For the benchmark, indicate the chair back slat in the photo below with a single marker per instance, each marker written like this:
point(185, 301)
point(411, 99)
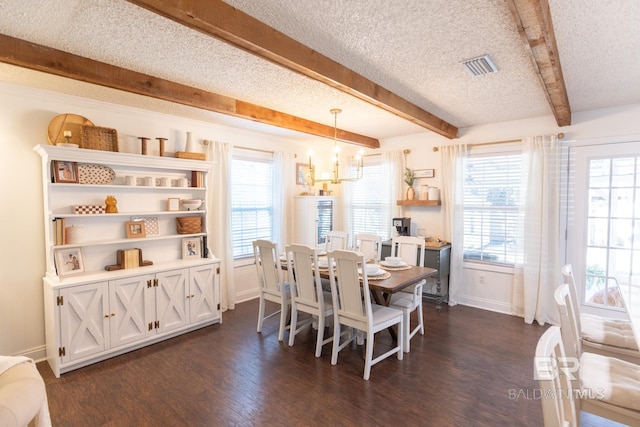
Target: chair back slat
point(268, 266)
point(370, 245)
point(559, 407)
point(353, 300)
point(302, 261)
point(336, 240)
point(409, 248)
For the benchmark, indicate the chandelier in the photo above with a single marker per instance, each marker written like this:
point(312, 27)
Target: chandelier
point(335, 178)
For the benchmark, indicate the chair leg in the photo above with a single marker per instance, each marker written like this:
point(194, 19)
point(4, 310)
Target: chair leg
point(420, 318)
point(368, 355)
point(283, 322)
point(406, 330)
point(260, 314)
point(336, 342)
point(320, 338)
point(292, 328)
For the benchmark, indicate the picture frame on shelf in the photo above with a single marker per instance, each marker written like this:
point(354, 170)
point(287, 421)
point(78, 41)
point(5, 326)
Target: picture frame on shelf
point(69, 261)
point(135, 229)
point(424, 173)
point(65, 172)
point(302, 173)
point(173, 204)
point(191, 247)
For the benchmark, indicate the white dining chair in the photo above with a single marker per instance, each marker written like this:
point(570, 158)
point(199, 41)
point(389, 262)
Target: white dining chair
point(307, 295)
point(353, 308)
point(556, 392)
point(273, 287)
point(409, 300)
point(368, 244)
point(607, 386)
point(602, 335)
point(336, 240)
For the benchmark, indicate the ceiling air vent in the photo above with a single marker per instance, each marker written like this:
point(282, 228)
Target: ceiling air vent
point(480, 66)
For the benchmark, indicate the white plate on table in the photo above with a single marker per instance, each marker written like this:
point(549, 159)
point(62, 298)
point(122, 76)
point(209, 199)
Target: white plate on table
point(393, 264)
point(379, 272)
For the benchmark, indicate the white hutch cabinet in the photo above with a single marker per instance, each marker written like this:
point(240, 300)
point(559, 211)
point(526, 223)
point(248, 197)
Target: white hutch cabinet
point(315, 216)
point(92, 314)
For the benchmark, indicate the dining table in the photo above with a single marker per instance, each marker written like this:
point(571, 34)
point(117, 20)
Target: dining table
point(397, 279)
point(631, 297)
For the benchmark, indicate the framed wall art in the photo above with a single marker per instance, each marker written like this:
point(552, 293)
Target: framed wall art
point(173, 204)
point(191, 248)
point(65, 172)
point(302, 173)
point(424, 173)
point(69, 261)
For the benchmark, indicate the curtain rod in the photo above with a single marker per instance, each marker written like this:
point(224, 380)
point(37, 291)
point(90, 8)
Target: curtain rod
point(253, 149)
point(560, 136)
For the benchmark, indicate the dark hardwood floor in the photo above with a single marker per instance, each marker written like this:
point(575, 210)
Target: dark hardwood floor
point(472, 367)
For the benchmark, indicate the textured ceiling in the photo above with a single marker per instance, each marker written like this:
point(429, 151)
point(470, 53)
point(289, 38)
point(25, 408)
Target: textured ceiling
point(413, 48)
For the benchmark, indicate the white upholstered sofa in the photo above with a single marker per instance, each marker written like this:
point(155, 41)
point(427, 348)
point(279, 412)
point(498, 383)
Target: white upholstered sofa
point(23, 397)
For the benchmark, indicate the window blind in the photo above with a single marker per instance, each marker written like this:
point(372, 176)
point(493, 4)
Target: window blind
point(370, 200)
point(251, 200)
point(491, 199)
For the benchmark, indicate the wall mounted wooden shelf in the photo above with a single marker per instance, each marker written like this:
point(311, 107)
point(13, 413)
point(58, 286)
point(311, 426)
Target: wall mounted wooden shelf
point(418, 202)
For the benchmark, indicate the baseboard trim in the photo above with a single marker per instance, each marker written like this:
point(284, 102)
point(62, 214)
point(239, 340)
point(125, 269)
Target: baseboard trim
point(485, 304)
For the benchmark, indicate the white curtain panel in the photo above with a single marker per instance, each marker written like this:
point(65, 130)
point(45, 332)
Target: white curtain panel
point(284, 172)
point(393, 161)
point(219, 212)
point(538, 275)
point(452, 166)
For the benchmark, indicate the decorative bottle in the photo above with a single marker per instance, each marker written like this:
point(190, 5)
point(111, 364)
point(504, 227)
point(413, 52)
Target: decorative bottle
point(190, 146)
point(111, 202)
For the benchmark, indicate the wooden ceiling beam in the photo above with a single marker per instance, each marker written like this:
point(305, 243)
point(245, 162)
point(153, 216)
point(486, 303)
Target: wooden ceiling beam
point(41, 58)
point(533, 20)
point(222, 21)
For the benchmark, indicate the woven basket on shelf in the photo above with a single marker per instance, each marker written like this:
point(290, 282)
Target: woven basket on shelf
point(99, 138)
point(189, 224)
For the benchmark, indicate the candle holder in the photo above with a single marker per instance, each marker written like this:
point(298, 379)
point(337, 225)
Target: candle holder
point(67, 136)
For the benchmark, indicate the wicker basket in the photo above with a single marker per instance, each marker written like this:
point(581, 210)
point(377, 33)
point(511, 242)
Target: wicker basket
point(189, 224)
point(99, 138)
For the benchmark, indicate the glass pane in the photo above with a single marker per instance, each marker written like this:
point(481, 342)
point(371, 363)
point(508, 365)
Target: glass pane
point(619, 262)
point(599, 173)
point(597, 231)
point(599, 202)
point(621, 233)
point(622, 202)
point(623, 170)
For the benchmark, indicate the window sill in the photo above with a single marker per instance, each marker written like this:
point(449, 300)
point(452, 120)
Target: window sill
point(504, 269)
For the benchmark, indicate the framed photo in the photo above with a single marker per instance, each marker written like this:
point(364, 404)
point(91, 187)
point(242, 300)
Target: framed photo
point(64, 171)
point(191, 248)
point(135, 229)
point(302, 173)
point(69, 261)
point(173, 204)
point(424, 173)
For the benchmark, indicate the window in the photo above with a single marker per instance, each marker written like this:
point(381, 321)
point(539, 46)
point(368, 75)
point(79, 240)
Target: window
point(370, 199)
point(491, 199)
point(251, 200)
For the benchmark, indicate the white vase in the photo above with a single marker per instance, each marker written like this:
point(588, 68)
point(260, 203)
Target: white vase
point(190, 146)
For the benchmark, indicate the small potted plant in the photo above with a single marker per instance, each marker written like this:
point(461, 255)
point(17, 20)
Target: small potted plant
point(409, 178)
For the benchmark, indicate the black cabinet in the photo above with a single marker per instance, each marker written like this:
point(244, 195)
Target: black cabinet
point(438, 258)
